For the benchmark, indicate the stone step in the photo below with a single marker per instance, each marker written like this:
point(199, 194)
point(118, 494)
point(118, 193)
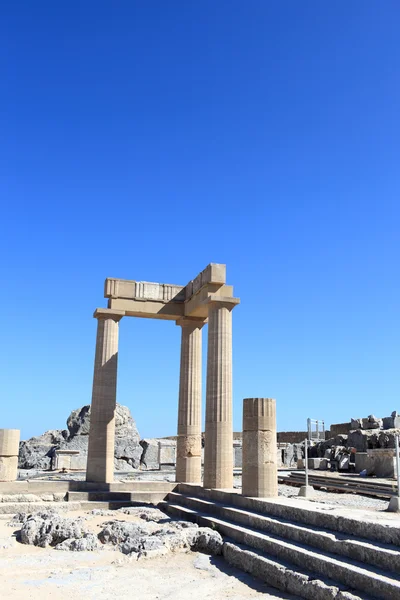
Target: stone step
point(383, 556)
point(318, 515)
point(39, 486)
point(325, 565)
point(142, 497)
point(281, 575)
point(9, 508)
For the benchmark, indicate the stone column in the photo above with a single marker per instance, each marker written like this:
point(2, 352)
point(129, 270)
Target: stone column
point(188, 450)
point(100, 463)
point(218, 451)
point(259, 469)
point(9, 450)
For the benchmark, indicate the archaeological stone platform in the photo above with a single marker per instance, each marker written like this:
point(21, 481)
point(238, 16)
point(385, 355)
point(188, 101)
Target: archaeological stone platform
point(207, 298)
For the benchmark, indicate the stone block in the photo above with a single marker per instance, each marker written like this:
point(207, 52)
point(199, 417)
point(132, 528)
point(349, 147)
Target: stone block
point(237, 456)
point(166, 453)
point(313, 463)
point(382, 462)
point(339, 428)
point(300, 463)
point(9, 449)
point(391, 422)
point(362, 462)
point(324, 464)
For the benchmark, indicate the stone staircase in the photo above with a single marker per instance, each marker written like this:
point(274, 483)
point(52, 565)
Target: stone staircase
point(34, 495)
point(116, 499)
point(306, 549)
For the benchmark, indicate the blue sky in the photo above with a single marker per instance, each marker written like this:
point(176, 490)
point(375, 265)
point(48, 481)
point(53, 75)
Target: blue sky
point(143, 140)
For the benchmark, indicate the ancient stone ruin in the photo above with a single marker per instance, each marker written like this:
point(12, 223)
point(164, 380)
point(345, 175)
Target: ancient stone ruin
point(40, 452)
point(207, 297)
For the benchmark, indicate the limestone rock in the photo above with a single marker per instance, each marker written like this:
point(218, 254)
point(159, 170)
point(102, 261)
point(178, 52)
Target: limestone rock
point(157, 536)
point(48, 528)
point(78, 423)
point(37, 452)
point(146, 513)
point(358, 439)
point(88, 542)
point(128, 449)
point(355, 424)
point(149, 458)
point(117, 532)
point(207, 540)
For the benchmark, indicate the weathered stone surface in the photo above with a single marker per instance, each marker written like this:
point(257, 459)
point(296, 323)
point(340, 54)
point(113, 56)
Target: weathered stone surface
point(48, 528)
point(153, 457)
point(159, 534)
point(78, 422)
point(392, 422)
point(117, 532)
point(371, 439)
point(127, 449)
point(88, 542)
point(37, 452)
point(149, 458)
point(206, 540)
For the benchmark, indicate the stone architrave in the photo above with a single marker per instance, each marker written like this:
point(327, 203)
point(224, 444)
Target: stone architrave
point(259, 471)
point(188, 455)
point(100, 463)
point(218, 452)
point(9, 449)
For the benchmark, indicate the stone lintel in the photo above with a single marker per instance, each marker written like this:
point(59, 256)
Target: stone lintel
point(191, 322)
point(148, 309)
point(107, 313)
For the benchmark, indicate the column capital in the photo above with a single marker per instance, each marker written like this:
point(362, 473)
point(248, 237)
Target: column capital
point(194, 322)
point(223, 301)
point(108, 313)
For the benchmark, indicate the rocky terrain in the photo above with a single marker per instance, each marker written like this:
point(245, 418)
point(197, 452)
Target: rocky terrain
point(28, 571)
point(37, 452)
point(149, 532)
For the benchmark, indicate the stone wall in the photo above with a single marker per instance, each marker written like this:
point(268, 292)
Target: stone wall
point(339, 428)
point(291, 437)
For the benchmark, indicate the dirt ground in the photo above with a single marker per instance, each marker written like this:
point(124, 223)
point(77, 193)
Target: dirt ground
point(31, 573)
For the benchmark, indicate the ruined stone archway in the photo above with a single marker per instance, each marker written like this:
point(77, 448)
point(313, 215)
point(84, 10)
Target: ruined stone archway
point(207, 297)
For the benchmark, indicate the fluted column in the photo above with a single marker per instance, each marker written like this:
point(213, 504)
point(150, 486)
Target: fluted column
point(218, 451)
point(188, 454)
point(259, 463)
point(100, 463)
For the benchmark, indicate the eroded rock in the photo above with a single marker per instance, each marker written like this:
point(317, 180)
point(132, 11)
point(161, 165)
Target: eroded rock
point(48, 528)
point(88, 542)
point(39, 452)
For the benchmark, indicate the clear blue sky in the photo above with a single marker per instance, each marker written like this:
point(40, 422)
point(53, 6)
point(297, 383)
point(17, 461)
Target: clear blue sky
point(143, 140)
